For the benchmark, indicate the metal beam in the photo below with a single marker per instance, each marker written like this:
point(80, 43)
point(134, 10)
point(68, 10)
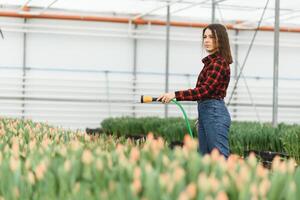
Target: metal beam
point(167, 56)
point(24, 72)
point(189, 6)
point(249, 22)
point(49, 5)
point(213, 11)
point(1, 33)
point(236, 54)
point(155, 9)
point(135, 43)
point(276, 61)
point(26, 3)
point(236, 50)
point(250, 8)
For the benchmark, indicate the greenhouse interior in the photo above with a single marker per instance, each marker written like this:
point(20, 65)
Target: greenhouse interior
point(149, 99)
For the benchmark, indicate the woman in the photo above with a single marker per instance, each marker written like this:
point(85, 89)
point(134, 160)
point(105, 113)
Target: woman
point(213, 117)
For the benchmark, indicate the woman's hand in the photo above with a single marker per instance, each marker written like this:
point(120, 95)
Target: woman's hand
point(166, 98)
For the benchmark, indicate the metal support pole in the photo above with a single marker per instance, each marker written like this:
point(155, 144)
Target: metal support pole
point(213, 11)
point(188, 77)
point(167, 56)
point(236, 67)
point(236, 54)
point(276, 61)
point(24, 71)
point(107, 92)
point(134, 70)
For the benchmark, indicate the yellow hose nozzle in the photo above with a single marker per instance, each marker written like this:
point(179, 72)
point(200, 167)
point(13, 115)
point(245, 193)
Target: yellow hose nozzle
point(147, 99)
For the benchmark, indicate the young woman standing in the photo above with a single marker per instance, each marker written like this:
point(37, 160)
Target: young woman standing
point(213, 117)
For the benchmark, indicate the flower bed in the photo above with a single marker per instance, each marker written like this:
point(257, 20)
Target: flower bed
point(41, 162)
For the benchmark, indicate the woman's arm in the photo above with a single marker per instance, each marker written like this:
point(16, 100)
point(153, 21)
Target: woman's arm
point(166, 98)
point(215, 74)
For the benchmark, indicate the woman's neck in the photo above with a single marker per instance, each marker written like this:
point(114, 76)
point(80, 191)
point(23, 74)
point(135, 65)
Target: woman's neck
point(212, 52)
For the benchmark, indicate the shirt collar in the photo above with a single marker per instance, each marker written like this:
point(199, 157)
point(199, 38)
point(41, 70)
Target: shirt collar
point(210, 57)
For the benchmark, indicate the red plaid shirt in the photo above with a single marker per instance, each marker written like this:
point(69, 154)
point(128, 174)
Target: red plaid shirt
point(212, 81)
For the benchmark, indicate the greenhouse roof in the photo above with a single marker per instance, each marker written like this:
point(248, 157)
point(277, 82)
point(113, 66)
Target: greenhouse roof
point(248, 11)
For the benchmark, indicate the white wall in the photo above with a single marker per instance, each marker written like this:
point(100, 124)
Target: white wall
point(105, 53)
point(11, 48)
point(49, 50)
point(99, 53)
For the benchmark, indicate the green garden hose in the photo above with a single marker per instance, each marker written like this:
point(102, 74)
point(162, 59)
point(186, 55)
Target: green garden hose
point(185, 117)
point(147, 99)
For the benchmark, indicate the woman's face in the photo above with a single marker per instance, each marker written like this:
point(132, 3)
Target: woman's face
point(209, 41)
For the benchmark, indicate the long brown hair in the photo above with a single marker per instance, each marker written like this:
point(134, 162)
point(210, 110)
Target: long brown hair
point(222, 41)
